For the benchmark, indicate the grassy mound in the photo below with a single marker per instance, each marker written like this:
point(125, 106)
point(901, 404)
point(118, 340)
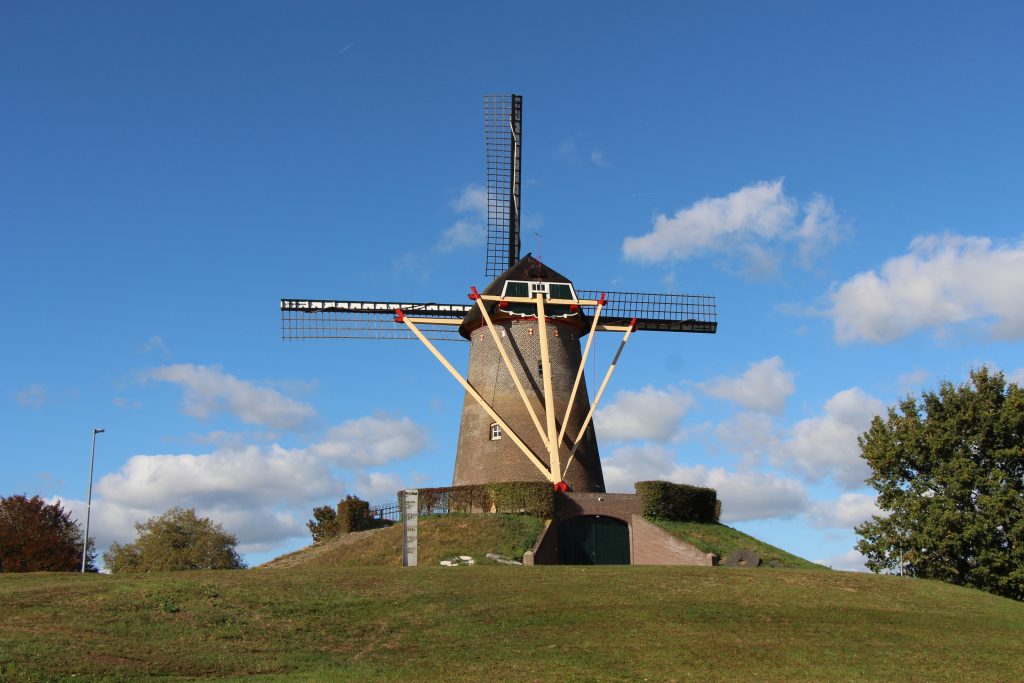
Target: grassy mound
point(722, 540)
point(440, 537)
point(503, 623)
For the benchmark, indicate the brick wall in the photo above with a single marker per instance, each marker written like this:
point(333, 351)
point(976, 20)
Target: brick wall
point(654, 545)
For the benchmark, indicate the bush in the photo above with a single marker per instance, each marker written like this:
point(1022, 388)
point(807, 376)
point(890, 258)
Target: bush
point(176, 540)
point(324, 524)
point(536, 498)
point(353, 515)
point(678, 502)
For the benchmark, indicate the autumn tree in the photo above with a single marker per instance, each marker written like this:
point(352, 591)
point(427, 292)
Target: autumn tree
point(36, 536)
point(176, 540)
point(949, 471)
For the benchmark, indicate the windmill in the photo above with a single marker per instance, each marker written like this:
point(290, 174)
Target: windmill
point(526, 414)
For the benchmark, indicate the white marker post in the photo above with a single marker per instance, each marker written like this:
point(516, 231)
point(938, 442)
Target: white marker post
point(410, 526)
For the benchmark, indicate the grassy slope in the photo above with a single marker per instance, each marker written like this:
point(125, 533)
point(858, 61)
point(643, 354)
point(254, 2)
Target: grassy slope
point(440, 537)
point(722, 540)
point(504, 623)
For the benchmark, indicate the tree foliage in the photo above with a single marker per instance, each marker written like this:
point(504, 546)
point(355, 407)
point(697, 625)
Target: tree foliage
point(324, 524)
point(40, 537)
point(176, 540)
point(949, 471)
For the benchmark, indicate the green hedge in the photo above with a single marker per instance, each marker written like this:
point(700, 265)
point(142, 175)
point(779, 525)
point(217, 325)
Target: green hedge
point(678, 502)
point(353, 515)
point(535, 498)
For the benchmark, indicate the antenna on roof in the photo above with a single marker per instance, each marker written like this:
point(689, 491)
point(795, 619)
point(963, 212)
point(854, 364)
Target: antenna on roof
point(503, 131)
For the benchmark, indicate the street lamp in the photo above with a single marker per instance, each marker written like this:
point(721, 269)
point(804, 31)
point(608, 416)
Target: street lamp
point(88, 504)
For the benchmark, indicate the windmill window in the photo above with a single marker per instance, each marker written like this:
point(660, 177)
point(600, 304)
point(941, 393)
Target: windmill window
point(538, 287)
point(495, 431)
point(513, 288)
point(561, 291)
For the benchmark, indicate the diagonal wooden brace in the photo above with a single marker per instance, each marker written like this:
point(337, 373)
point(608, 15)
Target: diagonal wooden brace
point(508, 365)
point(549, 474)
point(600, 392)
point(579, 373)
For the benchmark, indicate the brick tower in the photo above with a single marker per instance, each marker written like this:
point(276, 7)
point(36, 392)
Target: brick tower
point(485, 454)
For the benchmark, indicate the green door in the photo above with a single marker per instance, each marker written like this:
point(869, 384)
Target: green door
point(592, 539)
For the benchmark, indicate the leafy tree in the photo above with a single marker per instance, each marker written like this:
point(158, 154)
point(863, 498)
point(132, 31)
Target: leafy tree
point(324, 524)
point(949, 470)
point(176, 540)
point(40, 537)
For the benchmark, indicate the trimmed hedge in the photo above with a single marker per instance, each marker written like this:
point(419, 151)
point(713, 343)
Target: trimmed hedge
point(353, 515)
point(535, 498)
point(678, 502)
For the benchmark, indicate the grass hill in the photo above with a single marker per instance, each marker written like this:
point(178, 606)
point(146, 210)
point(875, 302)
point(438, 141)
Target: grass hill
point(442, 536)
point(504, 623)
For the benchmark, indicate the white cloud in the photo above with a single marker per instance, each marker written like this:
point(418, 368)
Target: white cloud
point(649, 414)
point(850, 561)
point(470, 230)
point(913, 379)
point(745, 495)
point(826, 446)
point(597, 159)
point(371, 440)
point(156, 343)
point(1016, 377)
point(763, 387)
point(462, 233)
point(849, 510)
point(472, 200)
point(943, 280)
point(749, 435)
point(752, 222)
point(35, 396)
point(210, 391)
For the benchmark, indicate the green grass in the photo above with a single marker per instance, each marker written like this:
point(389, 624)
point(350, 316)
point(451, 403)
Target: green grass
point(722, 540)
point(440, 537)
point(504, 623)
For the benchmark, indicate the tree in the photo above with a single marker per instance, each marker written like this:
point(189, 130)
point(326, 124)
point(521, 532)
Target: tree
point(324, 524)
point(178, 539)
point(949, 470)
point(40, 537)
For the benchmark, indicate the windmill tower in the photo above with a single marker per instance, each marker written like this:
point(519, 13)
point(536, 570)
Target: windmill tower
point(526, 414)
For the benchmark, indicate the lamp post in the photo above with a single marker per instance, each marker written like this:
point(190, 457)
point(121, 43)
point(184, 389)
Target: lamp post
point(88, 504)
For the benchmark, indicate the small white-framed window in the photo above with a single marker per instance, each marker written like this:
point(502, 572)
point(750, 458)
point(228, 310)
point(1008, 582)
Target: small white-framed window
point(495, 431)
point(538, 288)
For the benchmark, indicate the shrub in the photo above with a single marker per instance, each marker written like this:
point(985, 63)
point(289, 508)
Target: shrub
point(678, 502)
point(324, 524)
point(535, 498)
point(178, 539)
point(353, 515)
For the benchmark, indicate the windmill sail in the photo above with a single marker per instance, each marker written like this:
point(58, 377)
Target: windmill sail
point(658, 312)
point(503, 130)
point(330, 319)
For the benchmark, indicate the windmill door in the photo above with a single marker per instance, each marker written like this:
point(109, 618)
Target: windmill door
point(593, 539)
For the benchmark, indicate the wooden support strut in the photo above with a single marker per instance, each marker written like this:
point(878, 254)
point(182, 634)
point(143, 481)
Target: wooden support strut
point(549, 398)
point(549, 474)
point(475, 296)
point(579, 373)
point(600, 392)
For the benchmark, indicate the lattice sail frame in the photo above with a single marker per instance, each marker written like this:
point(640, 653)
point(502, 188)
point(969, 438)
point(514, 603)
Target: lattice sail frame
point(503, 132)
point(658, 312)
point(328, 319)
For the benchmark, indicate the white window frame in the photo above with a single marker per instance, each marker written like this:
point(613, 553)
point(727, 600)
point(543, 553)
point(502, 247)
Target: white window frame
point(533, 287)
point(496, 432)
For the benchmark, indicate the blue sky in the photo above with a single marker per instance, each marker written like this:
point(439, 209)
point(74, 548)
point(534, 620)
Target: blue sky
point(846, 180)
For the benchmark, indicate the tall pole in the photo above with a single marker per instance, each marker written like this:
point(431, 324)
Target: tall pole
point(88, 504)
